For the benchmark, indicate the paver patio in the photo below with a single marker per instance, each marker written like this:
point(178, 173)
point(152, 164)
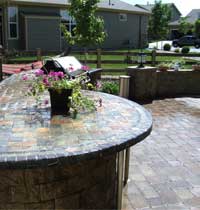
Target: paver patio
point(165, 167)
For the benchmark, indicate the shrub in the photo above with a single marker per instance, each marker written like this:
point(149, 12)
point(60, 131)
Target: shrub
point(177, 50)
point(167, 47)
point(110, 87)
point(185, 50)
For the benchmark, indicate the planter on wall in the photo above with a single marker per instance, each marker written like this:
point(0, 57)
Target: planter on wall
point(196, 67)
point(163, 68)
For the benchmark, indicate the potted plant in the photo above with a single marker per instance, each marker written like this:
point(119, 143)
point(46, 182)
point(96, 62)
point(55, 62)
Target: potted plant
point(64, 93)
point(196, 67)
point(177, 64)
point(163, 66)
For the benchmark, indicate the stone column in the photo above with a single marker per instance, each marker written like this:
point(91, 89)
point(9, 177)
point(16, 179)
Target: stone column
point(142, 83)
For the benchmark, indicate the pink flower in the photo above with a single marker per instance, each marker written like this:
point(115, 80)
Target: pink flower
point(39, 72)
point(56, 75)
point(85, 68)
point(25, 77)
point(52, 74)
point(60, 74)
point(71, 68)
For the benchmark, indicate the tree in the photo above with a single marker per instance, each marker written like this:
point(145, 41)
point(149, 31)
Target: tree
point(197, 28)
point(185, 27)
point(158, 22)
point(89, 30)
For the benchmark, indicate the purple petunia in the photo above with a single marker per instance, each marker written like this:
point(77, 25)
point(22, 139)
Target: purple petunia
point(39, 72)
point(56, 75)
point(46, 81)
point(60, 74)
point(85, 68)
point(24, 77)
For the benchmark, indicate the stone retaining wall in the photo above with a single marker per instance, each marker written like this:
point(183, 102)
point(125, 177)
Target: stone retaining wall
point(88, 185)
point(148, 83)
point(177, 83)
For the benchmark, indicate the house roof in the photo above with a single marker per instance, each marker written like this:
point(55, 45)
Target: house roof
point(149, 7)
point(50, 2)
point(174, 23)
point(121, 6)
point(116, 5)
point(193, 16)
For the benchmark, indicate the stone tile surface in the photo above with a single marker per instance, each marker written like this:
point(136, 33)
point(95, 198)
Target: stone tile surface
point(31, 137)
point(165, 167)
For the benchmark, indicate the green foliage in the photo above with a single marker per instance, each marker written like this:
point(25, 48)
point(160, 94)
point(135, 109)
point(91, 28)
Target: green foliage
point(158, 22)
point(167, 47)
point(197, 28)
point(89, 28)
point(185, 27)
point(185, 50)
point(164, 65)
point(178, 63)
point(110, 87)
point(177, 50)
point(79, 101)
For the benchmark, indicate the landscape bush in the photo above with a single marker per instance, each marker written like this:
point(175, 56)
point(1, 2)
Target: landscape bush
point(177, 50)
point(167, 47)
point(185, 50)
point(110, 87)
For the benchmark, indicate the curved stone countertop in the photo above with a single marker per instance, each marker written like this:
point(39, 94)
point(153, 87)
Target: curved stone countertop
point(30, 137)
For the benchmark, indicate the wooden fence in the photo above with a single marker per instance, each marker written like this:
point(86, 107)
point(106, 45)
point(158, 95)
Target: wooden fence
point(130, 58)
point(100, 57)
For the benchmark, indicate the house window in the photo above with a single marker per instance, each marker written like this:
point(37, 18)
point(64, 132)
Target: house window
point(68, 21)
point(122, 17)
point(13, 22)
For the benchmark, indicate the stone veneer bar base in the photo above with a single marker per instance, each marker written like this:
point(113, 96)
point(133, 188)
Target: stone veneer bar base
point(88, 185)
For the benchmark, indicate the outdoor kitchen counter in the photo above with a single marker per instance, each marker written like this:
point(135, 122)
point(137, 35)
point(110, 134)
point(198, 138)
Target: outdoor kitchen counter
point(60, 162)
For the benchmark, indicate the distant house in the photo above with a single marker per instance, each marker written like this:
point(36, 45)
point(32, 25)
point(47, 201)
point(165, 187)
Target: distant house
point(175, 16)
point(175, 13)
point(191, 17)
point(31, 24)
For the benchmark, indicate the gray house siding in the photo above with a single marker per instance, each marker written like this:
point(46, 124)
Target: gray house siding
point(39, 27)
point(122, 32)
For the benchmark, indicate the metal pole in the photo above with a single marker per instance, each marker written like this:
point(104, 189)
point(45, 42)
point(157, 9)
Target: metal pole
point(126, 167)
point(120, 169)
point(1, 68)
point(124, 92)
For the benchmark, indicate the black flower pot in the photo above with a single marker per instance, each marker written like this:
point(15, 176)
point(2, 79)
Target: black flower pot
point(60, 102)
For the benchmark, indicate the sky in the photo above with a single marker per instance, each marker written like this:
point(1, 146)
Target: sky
point(184, 6)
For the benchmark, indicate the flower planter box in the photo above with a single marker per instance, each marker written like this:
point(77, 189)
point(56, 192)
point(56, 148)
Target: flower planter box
point(196, 67)
point(163, 68)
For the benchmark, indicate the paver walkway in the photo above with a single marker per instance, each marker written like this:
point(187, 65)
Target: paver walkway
point(165, 167)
